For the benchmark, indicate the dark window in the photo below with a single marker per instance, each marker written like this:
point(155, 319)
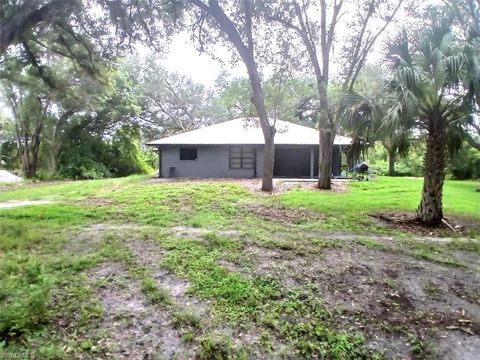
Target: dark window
point(188, 154)
point(242, 158)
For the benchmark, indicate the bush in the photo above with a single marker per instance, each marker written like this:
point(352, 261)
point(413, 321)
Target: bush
point(24, 300)
point(465, 164)
point(90, 156)
point(126, 156)
point(84, 169)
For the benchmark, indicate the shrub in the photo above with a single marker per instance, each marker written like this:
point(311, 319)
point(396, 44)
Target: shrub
point(465, 164)
point(24, 300)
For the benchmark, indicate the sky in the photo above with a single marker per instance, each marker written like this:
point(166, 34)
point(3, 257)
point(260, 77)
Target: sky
point(184, 58)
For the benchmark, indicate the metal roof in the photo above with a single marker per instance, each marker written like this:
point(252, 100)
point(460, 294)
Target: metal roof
point(247, 131)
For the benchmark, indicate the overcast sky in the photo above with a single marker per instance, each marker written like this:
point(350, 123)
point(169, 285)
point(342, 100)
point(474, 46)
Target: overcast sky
point(182, 56)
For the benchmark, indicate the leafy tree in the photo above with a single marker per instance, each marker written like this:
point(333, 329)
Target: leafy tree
point(235, 23)
point(126, 154)
point(427, 85)
point(466, 163)
point(362, 115)
point(170, 102)
point(317, 34)
point(30, 107)
point(282, 99)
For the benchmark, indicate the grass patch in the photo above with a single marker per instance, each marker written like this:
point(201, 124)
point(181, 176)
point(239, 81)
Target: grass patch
point(348, 211)
point(47, 303)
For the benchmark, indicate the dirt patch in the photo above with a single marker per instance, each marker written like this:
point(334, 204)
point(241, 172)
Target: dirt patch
point(90, 238)
point(408, 221)
point(149, 254)
point(98, 202)
point(283, 215)
point(18, 203)
point(255, 185)
point(135, 329)
point(404, 306)
point(194, 233)
point(280, 186)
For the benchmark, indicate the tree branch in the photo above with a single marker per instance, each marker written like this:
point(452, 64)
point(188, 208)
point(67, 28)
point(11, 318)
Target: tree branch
point(27, 17)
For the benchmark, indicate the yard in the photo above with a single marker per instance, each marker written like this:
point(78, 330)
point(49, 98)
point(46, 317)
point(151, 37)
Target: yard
point(139, 268)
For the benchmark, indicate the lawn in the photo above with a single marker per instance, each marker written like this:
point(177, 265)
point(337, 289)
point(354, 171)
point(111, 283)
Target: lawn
point(140, 268)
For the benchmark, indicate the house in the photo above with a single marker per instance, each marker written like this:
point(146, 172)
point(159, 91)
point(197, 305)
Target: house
point(234, 149)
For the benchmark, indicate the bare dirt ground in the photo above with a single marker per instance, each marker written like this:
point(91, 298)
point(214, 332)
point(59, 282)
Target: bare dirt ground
point(283, 215)
point(390, 296)
point(134, 328)
point(405, 306)
point(17, 203)
point(254, 185)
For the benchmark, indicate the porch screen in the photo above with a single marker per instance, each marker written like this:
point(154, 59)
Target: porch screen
point(242, 157)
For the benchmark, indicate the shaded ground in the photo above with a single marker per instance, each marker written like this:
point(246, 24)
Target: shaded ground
point(408, 221)
point(406, 307)
point(282, 215)
point(133, 328)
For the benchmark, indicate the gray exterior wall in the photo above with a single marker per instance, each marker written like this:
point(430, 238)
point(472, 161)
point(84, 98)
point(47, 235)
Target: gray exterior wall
point(212, 162)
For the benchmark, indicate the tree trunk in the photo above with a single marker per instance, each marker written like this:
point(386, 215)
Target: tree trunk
point(268, 130)
point(326, 137)
point(430, 209)
point(325, 159)
point(268, 161)
point(391, 163)
point(246, 52)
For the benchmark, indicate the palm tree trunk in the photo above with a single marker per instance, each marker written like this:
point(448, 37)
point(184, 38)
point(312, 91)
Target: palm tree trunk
point(430, 209)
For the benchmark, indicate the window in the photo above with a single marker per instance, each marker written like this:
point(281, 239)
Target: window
point(242, 158)
point(188, 154)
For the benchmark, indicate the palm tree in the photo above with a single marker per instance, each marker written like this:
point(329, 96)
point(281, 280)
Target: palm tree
point(362, 116)
point(428, 93)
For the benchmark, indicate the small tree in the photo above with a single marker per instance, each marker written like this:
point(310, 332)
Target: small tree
point(427, 87)
point(362, 116)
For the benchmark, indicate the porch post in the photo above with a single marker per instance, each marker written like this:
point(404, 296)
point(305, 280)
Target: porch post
point(312, 162)
point(159, 162)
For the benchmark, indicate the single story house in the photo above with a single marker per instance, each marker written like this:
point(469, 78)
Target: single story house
point(234, 149)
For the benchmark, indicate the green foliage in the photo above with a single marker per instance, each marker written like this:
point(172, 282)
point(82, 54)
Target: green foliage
point(459, 198)
point(40, 283)
point(126, 155)
point(283, 96)
point(24, 297)
point(87, 156)
point(466, 164)
point(411, 165)
point(220, 348)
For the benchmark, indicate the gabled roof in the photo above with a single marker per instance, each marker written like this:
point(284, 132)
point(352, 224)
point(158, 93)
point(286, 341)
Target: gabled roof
point(247, 131)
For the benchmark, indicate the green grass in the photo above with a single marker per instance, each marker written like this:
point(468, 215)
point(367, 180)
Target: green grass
point(65, 190)
point(348, 210)
point(47, 303)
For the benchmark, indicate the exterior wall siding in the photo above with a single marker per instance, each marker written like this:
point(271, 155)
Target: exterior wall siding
point(212, 162)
